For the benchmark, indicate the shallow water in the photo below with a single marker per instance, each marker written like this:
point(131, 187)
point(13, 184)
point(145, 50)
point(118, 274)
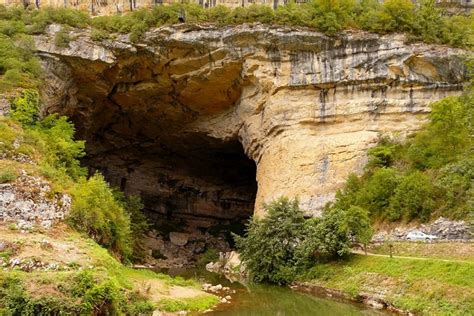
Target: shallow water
point(267, 300)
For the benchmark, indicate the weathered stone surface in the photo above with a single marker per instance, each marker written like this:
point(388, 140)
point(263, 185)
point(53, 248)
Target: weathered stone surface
point(170, 118)
point(28, 201)
point(442, 228)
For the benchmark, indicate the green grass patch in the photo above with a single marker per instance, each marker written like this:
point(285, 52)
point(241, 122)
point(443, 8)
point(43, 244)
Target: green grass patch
point(8, 176)
point(199, 303)
point(431, 287)
point(436, 250)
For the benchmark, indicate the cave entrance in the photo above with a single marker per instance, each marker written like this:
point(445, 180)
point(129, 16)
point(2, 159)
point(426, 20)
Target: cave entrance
point(188, 183)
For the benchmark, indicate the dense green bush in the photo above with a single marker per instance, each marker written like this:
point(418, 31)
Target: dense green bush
point(276, 247)
point(62, 38)
point(85, 293)
point(413, 198)
point(334, 233)
point(25, 108)
point(7, 176)
point(96, 212)
point(270, 245)
point(18, 66)
point(139, 225)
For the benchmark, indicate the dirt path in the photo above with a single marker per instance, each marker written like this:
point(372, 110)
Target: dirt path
point(360, 252)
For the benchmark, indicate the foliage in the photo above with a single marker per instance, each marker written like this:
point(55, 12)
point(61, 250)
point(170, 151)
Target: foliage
point(25, 109)
point(191, 304)
point(54, 135)
point(278, 246)
point(431, 286)
point(96, 212)
point(423, 22)
point(270, 244)
point(139, 225)
point(413, 198)
point(18, 66)
point(7, 176)
point(333, 234)
point(62, 38)
point(85, 293)
point(210, 255)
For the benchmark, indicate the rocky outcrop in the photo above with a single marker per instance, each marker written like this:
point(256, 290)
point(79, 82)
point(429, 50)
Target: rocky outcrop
point(180, 250)
point(205, 122)
point(442, 228)
point(30, 201)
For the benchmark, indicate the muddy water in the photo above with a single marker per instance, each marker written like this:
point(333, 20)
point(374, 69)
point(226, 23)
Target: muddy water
point(267, 300)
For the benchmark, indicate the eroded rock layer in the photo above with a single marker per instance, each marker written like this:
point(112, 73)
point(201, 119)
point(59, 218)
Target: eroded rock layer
point(195, 118)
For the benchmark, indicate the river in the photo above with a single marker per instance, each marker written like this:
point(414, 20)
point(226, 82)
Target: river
point(268, 300)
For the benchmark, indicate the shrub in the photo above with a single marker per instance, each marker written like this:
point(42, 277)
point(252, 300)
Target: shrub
point(378, 189)
point(210, 255)
point(7, 176)
point(446, 136)
point(62, 38)
point(413, 198)
point(25, 109)
point(278, 246)
point(96, 212)
point(456, 180)
point(269, 245)
point(54, 135)
point(98, 35)
point(138, 223)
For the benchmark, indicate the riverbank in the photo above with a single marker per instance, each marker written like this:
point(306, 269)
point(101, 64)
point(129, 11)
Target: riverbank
point(427, 287)
point(61, 270)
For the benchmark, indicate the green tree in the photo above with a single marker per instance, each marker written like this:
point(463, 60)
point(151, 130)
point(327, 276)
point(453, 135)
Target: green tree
point(378, 189)
point(25, 109)
point(270, 244)
point(413, 198)
point(55, 134)
point(446, 136)
point(358, 225)
point(139, 225)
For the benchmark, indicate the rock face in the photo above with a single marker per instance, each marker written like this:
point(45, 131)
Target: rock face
point(207, 122)
point(442, 228)
point(29, 201)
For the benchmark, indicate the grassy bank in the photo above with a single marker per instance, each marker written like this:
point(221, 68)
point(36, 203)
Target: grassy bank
point(86, 279)
point(428, 287)
point(438, 250)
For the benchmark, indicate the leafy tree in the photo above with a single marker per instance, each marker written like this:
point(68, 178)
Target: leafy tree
point(358, 225)
point(56, 137)
point(269, 246)
point(427, 22)
point(378, 189)
point(446, 136)
point(138, 223)
point(332, 235)
point(96, 212)
point(382, 155)
point(456, 180)
point(402, 14)
point(25, 109)
point(413, 198)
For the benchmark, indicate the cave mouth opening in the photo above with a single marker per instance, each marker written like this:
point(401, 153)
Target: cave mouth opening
point(190, 184)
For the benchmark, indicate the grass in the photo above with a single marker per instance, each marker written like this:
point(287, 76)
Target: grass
point(7, 176)
point(136, 290)
point(199, 303)
point(428, 287)
point(441, 250)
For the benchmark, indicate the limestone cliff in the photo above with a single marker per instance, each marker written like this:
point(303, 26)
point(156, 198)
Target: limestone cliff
point(174, 117)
